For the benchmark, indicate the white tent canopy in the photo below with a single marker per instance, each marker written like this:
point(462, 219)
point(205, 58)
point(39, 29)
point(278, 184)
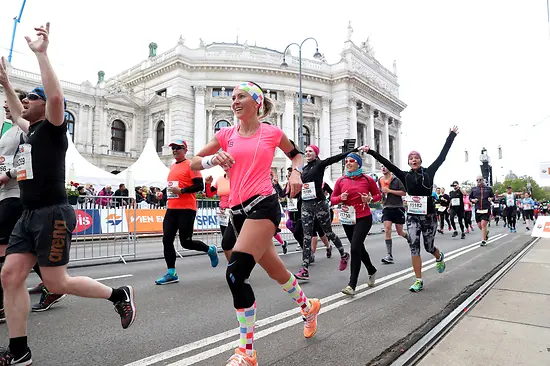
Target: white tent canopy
point(148, 170)
point(80, 170)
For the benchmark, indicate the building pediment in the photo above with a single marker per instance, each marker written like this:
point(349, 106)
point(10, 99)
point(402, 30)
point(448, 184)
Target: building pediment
point(122, 99)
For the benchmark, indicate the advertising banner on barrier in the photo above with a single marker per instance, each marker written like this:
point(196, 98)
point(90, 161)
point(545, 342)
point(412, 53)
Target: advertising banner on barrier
point(88, 222)
point(113, 221)
point(541, 228)
point(147, 220)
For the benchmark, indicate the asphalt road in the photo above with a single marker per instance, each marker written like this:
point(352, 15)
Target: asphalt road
point(193, 322)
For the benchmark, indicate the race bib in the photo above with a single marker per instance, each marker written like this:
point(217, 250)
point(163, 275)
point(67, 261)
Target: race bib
point(308, 191)
point(455, 202)
point(223, 218)
point(527, 206)
point(347, 215)
point(482, 211)
point(496, 205)
point(417, 205)
point(292, 204)
point(170, 195)
point(441, 208)
point(23, 162)
point(510, 202)
point(6, 163)
point(467, 207)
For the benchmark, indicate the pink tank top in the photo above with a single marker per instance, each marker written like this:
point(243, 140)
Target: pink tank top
point(250, 175)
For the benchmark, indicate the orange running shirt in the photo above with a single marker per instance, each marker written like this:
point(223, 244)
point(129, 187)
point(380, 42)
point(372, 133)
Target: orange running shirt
point(183, 175)
point(384, 183)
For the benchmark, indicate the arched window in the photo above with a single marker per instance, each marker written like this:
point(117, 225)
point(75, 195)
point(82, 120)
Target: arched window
point(118, 136)
point(69, 118)
point(160, 136)
point(221, 124)
point(307, 136)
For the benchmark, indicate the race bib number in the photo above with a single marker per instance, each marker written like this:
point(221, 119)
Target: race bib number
point(292, 204)
point(482, 211)
point(417, 205)
point(347, 215)
point(441, 208)
point(510, 202)
point(496, 205)
point(527, 206)
point(455, 202)
point(23, 162)
point(6, 163)
point(308, 191)
point(170, 195)
point(223, 218)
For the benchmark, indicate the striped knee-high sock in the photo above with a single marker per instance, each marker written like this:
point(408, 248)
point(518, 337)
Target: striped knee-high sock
point(292, 288)
point(247, 321)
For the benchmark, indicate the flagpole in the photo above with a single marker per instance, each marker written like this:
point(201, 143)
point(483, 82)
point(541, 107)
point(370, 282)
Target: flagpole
point(15, 21)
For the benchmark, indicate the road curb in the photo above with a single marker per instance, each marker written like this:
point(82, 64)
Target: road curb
point(399, 348)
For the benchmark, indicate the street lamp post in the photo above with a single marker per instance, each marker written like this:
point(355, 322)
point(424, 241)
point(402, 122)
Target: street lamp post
point(316, 55)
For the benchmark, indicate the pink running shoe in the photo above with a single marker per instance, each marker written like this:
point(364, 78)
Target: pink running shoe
point(344, 262)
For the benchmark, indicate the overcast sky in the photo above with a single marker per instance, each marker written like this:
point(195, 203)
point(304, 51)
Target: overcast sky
point(482, 65)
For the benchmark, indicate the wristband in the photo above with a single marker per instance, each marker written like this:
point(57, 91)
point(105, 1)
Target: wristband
point(207, 161)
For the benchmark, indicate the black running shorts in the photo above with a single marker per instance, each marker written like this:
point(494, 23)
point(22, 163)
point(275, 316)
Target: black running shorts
point(268, 208)
point(10, 212)
point(482, 217)
point(45, 232)
point(394, 214)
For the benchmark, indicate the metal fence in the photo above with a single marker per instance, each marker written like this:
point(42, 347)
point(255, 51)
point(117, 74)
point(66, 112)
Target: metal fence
point(118, 227)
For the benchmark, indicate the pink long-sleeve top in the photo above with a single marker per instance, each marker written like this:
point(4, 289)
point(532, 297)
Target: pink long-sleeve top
point(355, 185)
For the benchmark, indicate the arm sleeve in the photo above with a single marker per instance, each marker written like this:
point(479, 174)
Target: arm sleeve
point(442, 155)
point(279, 190)
point(374, 191)
point(197, 186)
point(335, 158)
point(327, 189)
point(388, 164)
point(335, 196)
point(209, 190)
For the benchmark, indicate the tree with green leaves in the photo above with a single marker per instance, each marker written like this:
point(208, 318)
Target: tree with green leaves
point(520, 185)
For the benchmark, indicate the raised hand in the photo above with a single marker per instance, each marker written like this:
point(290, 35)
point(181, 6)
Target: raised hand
point(364, 148)
point(208, 180)
point(4, 79)
point(40, 45)
point(454, 129)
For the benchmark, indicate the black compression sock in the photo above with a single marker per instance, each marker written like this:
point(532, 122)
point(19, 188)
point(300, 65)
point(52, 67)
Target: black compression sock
point(18, 346)
point(117, 295)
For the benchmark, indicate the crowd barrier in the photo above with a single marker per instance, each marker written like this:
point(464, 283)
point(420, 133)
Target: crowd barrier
point(112, 229)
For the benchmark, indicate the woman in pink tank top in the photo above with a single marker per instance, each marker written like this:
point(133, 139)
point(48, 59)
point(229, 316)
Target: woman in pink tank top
point(247, 152)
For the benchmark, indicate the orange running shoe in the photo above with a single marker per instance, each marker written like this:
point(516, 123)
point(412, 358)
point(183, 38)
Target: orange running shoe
point(240, 358)
point(310, 318)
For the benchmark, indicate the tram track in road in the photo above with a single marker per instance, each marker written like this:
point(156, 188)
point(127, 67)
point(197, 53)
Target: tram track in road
point(280, 321)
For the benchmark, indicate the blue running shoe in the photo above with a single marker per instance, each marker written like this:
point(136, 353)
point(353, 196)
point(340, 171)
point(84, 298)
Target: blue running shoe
point(213, 254)
point(167, 279)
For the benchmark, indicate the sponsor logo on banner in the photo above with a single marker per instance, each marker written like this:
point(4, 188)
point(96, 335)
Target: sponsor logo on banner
point(146, 220)
point(545, 170)
point(88, 222)
point(206, 219)
point(541, 228)
point(113, 221)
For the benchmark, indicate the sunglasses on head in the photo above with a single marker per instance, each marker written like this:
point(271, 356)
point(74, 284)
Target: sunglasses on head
point(33, 96)
point(177, 147)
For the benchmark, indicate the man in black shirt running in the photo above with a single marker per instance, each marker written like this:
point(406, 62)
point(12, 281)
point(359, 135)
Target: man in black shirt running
point(44, 231)
point(456, 206)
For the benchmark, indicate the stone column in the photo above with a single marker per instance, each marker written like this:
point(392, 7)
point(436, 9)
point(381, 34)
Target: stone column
point(324, 132)
point(199, 135)
point(353, 118)
point(371, 136)
point(150, 121)
point(89, 129)
point(80, 128)
point(133, 148)
point(209, 127)
point(397, 147)
point(288, 120)
point(386, 137)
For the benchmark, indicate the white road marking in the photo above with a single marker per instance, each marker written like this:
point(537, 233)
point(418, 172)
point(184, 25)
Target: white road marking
point(101, 279)
point(293, 312)
point(297, 320)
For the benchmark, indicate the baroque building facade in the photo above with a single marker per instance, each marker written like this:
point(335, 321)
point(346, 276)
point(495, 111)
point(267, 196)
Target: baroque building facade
point(186, 93)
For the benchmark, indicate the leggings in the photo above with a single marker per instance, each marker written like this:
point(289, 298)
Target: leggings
point(460, 215)
point(311, 211)
point(425, 225)
point(510, 214)
point(444, 216)
point(468, 218)
point(182, 220)
point(356, 235)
